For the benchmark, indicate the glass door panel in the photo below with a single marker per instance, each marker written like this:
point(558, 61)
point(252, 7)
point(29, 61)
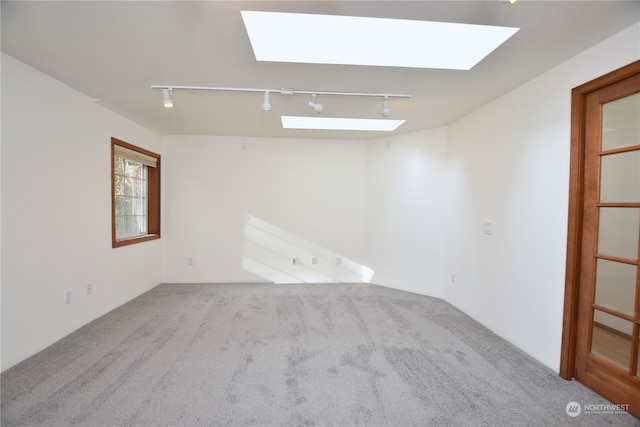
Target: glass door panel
point(616, 286)
point(618, 236)
point(618, 232)
point(620, 177)
point(611, 339)
point(621, 123)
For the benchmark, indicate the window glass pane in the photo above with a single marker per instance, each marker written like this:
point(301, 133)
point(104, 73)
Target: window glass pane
point(621, 122)
point(620, 177)
point(616, 286)
point(139, 187)
point(611, 339)
point(119, 206)
point(135, 224)
point(132, 169)
point(140, 207)
point(119, 225)
point(128, 188)
point(128, 228)
point(131, 199)
point(118, 185)
point(141, 226)
point(129, 208)
point(618, 232)
point(118, 165)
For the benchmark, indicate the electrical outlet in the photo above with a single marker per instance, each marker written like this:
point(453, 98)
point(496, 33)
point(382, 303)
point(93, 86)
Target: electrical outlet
point(294, 260)
point(67, 297)
point(338, 260)
point(89, 289)
point(314, 260)
point(453, 277)
point(190, 261)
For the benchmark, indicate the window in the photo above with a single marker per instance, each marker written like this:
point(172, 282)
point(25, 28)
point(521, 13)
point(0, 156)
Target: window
point(135, 190)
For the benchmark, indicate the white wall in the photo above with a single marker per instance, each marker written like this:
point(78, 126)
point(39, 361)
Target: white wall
point(412, 213)
point(313, 198)
point(405, 212)
point(219, 192)
point(56, 213)
point(509, 164)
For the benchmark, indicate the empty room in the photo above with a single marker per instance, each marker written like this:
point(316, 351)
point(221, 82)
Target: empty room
point(321, 213)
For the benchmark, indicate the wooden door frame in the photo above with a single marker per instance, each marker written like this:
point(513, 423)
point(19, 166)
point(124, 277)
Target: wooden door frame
point(576, 205)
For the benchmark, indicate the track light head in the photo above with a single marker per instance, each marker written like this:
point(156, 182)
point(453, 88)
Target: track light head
point(266, 104)
point(167, 102)
point(386, 110)
point(316, 106)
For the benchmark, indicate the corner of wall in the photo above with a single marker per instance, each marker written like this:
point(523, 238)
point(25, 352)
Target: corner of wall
point(404, 233)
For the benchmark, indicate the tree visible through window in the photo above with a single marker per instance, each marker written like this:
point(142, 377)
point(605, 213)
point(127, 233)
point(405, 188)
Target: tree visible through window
point(135, 194)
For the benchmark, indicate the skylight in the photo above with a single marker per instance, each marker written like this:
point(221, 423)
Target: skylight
point(333, 123)
point(351, 40)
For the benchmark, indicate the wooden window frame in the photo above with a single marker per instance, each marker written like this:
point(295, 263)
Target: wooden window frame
point(153, 197)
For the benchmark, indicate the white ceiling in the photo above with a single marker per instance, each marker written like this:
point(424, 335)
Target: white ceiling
point(113, 51)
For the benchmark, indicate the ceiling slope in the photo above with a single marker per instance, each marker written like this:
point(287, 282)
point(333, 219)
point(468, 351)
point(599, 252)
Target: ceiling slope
point(114, 50)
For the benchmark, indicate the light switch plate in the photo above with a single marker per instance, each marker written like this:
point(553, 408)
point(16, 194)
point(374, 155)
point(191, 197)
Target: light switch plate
point(487, 227)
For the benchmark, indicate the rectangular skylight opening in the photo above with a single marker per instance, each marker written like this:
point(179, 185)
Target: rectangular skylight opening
point(352, 40)
point(333, 123)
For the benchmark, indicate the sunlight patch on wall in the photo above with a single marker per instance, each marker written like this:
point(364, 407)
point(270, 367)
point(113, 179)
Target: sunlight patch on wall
point(283, 257)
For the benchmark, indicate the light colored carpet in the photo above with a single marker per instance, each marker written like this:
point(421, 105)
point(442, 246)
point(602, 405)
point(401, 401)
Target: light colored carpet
point(288, 355)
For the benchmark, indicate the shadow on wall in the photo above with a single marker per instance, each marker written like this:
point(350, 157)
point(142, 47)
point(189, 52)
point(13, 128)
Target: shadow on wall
point(282, 257)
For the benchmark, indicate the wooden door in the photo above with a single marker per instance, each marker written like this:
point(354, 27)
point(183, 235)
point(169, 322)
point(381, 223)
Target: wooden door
point(604, 241)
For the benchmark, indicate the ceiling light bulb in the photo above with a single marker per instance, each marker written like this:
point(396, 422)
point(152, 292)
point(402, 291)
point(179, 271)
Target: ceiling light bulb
point(386, 110)
point(512, 1)
point(266, 104)
point(313, 104)
point(318, 107)
point(167, 102)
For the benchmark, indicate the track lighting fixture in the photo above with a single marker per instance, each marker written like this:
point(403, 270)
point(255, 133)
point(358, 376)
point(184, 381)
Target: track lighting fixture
point(266, 104)
point(313, 104)
point(386, 110)
point(166, 93)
